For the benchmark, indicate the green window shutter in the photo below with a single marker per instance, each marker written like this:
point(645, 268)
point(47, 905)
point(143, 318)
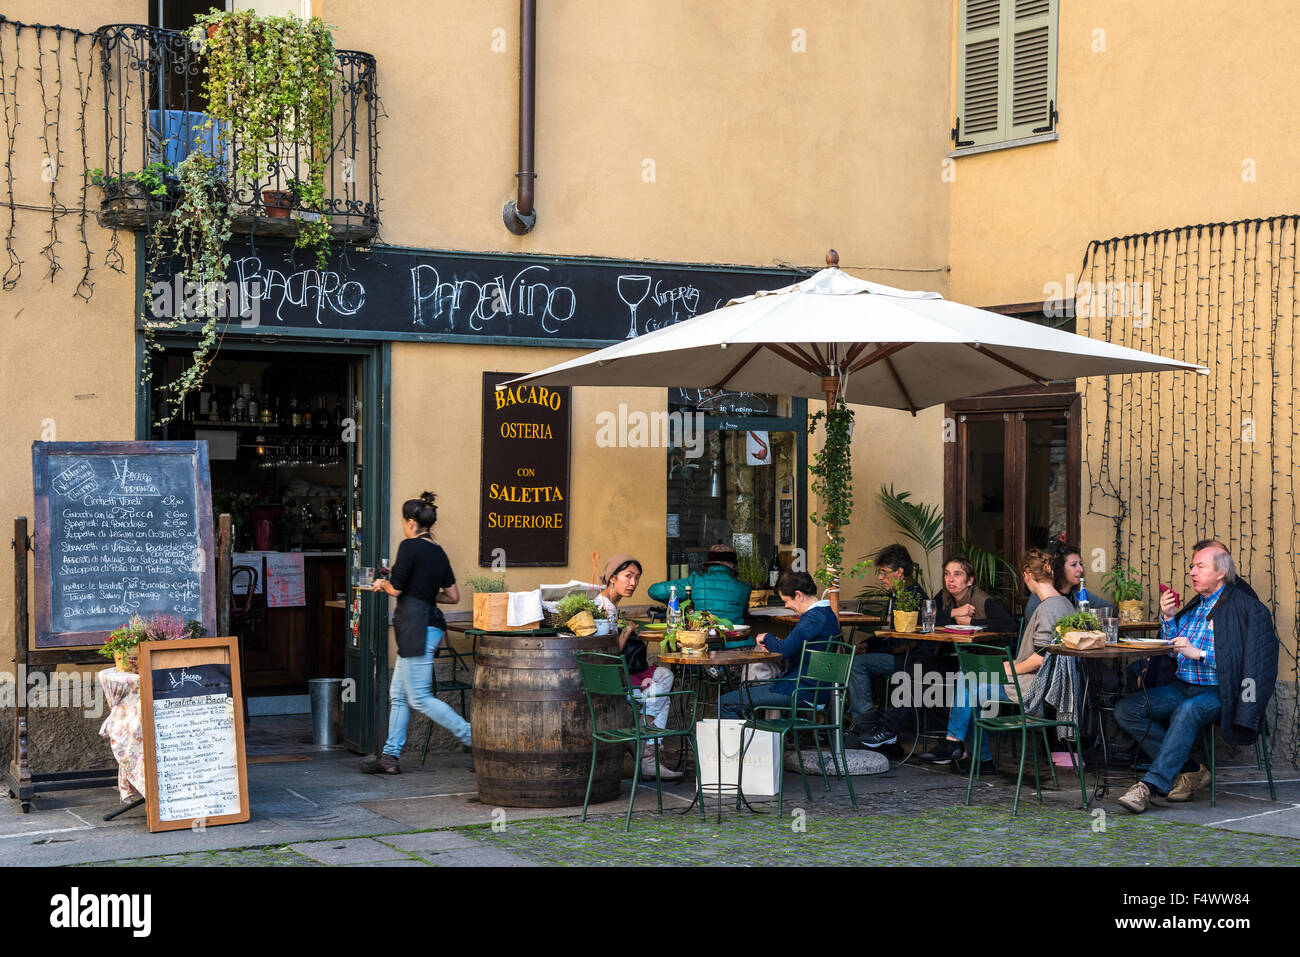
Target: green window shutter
point(980, 67)
point(1030, 93)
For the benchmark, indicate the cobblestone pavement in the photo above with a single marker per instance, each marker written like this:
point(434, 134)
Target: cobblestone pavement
point(241, 857)
point(932, 827)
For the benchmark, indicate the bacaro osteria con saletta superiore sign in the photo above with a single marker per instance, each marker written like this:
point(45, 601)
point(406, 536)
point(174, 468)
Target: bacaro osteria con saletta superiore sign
point(524, 502)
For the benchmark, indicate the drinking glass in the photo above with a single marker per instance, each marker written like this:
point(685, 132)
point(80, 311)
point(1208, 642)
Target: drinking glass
point(928, 612)
point(1111, 626)
point(633, 290)
point(367, 577)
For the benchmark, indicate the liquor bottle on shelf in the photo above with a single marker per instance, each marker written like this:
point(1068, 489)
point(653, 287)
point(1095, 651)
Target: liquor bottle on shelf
point(295, 414)
point(253, 411)
point(240, 408)
point(321, 419)
point(264, 409)
point(306, 413)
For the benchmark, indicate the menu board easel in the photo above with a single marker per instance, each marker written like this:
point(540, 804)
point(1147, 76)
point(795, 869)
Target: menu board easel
point(195, 769)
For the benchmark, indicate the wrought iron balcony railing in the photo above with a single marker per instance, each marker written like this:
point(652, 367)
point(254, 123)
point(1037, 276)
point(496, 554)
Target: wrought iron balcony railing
point(154, 105)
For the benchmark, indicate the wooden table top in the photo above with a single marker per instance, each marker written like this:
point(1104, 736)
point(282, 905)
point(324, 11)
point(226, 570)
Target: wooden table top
point(846, 618)
point(952, 637)
point(733, 656)
point(1110, 651)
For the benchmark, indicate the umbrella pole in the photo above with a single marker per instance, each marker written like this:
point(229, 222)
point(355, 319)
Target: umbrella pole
point(831, 386)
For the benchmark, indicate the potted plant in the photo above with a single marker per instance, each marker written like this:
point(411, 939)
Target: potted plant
point(906, 608)
point(1126, 588)
point(157, 181)
point(278, 202)
point(121, 645)
point(580, 614)
point(1081, 621)
point(271, 80)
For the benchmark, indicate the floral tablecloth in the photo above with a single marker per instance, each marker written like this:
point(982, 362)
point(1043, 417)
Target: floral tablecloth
point(124, 730)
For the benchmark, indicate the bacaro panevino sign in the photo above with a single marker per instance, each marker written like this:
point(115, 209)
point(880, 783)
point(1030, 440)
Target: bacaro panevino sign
point(524, 502)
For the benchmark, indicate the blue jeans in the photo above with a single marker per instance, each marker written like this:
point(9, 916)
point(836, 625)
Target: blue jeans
point(412, 679)
point(959, 718)
point(865, 667)
point(1185, 708)
point(735, 704)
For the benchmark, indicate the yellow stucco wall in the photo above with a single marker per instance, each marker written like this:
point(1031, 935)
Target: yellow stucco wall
point(772, 136)
point(69, 364)
point(1170, 116)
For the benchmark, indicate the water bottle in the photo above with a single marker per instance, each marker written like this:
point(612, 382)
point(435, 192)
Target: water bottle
point(1084, 600)
point(673, 607)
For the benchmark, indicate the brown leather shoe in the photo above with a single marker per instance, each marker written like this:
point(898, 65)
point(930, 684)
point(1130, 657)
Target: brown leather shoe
point(1187, 784)
point(380, 764)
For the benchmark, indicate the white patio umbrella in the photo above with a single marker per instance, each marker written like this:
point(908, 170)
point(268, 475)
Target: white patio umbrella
point(835, 336)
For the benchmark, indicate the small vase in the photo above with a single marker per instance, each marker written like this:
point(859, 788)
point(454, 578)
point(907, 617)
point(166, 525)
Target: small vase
point(1130, 611)
point(905, 621)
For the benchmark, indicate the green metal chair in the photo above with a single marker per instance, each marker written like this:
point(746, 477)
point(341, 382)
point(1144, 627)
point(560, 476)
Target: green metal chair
point(986, 665)
point(824, 668)
point(1261, 757)
point(606, 676)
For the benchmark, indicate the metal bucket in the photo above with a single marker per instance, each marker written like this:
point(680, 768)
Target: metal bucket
point(326, 710)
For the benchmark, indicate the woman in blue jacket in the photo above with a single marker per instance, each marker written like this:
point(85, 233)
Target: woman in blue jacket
point(817, 624)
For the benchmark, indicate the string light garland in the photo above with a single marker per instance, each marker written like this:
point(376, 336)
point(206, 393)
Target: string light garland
point(1171, 461)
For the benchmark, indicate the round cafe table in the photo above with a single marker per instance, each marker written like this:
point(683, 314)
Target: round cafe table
point(718, 659)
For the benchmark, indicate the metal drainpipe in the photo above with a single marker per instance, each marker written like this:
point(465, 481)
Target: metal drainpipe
point(519, 215)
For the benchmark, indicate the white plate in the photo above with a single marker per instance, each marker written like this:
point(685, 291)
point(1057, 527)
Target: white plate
point(1145, 641)
point(963, 628)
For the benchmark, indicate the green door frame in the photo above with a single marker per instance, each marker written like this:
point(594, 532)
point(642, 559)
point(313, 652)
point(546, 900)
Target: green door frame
point(365, 716)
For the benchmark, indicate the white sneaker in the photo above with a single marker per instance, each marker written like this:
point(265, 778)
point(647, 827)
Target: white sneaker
point(648, 770)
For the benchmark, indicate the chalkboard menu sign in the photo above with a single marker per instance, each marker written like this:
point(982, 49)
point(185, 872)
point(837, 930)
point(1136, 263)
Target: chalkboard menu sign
point(193, 731)
point(524, 498)
point(124, 528)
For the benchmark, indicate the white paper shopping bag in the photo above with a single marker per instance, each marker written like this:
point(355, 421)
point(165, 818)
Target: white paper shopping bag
point(762, 756)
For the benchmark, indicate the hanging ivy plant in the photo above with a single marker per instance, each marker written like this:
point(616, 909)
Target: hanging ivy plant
point(195, 237)
point(271, 94)
point(832, 483)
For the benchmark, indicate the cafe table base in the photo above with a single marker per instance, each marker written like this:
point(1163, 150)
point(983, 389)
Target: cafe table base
point(718, 659)
point(1117, 654)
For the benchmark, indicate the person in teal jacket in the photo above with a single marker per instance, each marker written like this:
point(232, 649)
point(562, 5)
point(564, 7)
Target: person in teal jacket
point(716, 590)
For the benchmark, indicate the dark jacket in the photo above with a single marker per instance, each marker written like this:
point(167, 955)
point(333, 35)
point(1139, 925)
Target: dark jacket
point(988, 612)
point(815, 626)
point(1245, 651)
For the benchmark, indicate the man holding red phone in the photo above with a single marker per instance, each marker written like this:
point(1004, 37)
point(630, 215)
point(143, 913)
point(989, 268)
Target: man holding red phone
point(1227, 650)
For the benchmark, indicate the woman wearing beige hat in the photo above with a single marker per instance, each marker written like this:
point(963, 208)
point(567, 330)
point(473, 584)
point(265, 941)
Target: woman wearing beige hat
point(649, 683)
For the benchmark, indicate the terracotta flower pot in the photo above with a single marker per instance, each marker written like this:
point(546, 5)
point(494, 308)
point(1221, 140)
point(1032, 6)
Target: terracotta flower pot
point(127, 661)
point(905, 621)
point(278, 202)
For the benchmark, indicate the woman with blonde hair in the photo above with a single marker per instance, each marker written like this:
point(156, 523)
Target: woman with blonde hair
point(1036, 570)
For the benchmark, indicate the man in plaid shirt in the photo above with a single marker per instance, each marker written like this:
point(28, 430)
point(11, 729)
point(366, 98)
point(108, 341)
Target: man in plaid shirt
point(1168, 719)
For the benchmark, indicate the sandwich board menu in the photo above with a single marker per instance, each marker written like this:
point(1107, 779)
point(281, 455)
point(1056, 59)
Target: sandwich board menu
point(193, 724)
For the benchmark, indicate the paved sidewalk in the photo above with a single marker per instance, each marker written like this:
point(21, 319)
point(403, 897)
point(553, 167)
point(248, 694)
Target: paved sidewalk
point(317, 810)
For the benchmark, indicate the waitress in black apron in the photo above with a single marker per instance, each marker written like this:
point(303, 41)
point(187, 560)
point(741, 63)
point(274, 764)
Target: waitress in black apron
point(421, 578)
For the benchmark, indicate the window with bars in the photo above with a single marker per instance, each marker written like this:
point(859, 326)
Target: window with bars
point(1006, 71)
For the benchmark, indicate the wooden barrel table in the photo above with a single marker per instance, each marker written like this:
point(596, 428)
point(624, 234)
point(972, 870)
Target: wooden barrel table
point(532, 729)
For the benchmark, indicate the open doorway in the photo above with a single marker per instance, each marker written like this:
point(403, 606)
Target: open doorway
point(294, 447)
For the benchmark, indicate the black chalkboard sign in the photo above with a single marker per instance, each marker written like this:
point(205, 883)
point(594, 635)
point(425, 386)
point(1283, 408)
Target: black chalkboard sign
point(524, 497)
point(124, 528)
point(392, 293)
point(193, 732)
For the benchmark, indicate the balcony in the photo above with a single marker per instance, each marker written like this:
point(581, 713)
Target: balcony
point(154, 93)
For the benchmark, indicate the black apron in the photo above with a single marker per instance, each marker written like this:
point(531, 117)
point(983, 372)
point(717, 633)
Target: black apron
point(411, 626)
